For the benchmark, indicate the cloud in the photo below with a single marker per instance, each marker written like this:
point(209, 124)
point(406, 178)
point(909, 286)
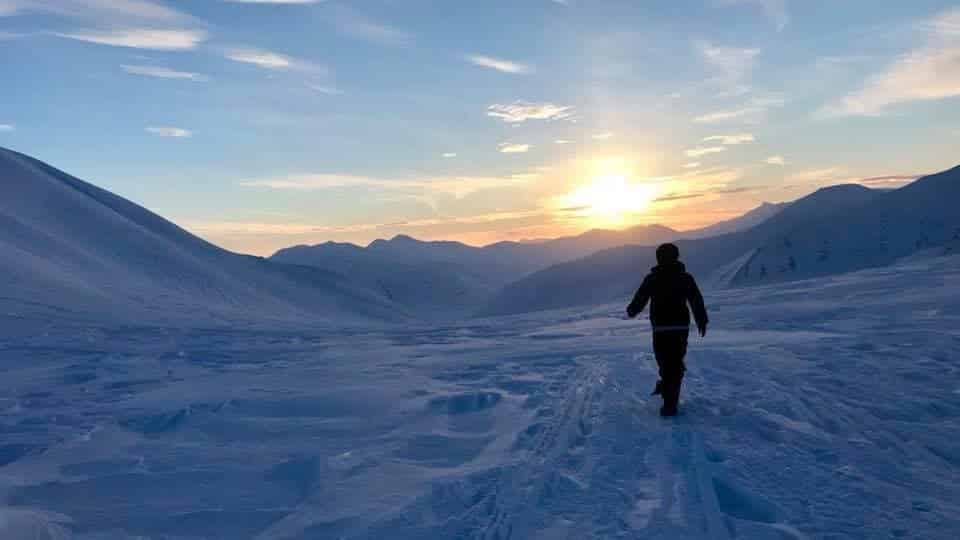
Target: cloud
point(752, 112)
point(163, 73)
point(457, 186)
point(260, 57)
point(295, 229)
point(352, 24)
point(892, 179)
point(775, 10)
point(775, 160)
point(521, 111)
point(602, 136)
point(826, 175)
point(701, 151)
point(678, 197)
point(499, 64)
point(734, 64)
point(169, 131)
point(139, 24)
point(736, 138)
point(7, 127)
point(510, 148)
point(561, 141)
point(930, 72)
point(142, 38)
point(692, 165)
point(288, 2)
point(328, 90)
point(449, 154)
point(97, 10)
point(743, 189)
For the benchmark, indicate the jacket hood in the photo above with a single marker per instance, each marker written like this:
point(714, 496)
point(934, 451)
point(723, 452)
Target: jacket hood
point(670, 267)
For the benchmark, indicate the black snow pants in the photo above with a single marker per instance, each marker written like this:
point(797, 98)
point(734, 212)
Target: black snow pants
point(670, 346)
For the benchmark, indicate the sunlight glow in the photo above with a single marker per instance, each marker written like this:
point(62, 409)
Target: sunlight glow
point(609, 199)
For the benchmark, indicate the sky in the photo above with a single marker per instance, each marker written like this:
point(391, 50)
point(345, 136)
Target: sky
point(260, 124)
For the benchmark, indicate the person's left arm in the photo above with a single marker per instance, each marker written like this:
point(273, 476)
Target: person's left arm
point(695, 298)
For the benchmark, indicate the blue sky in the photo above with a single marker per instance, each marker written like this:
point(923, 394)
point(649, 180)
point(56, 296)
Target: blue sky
point(261, 124)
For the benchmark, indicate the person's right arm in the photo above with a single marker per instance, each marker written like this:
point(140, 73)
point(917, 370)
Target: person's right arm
point(640, 299)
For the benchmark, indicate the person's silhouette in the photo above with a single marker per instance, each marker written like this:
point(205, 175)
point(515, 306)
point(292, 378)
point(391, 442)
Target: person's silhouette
point(669, 288)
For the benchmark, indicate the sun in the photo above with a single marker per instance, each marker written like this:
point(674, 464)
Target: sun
point(610, 199)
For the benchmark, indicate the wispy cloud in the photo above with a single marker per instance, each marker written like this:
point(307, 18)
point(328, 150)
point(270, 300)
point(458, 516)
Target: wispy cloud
point(775, 10)
point(562, 141)
point(352, 24)
point(512, 148)
point(457, 186)
point(824, 175)
point(323, 89)
point(691, 165)
point(97, 10)
point(499, 64)
point(260, 57)
point(141, 38)
point(929, 72)
point(697, 152)
point(602, 136)
point(296, 229)
point(736, 138)
point(775, 160)
point(288, 2)
point(889, 180)
point(733, 64)
point(141, 24)
point(678, 197)
point(752, 112)
point(7, 127)
point(163, 73)
point(169, 131)
point(449, 154)
point(521, 111)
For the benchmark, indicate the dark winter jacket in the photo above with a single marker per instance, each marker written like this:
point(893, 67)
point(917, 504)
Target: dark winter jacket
point(669, 288)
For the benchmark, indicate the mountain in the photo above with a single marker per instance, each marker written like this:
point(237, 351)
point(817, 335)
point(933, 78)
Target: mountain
point(78, 251)
point(741, 223)
point(833, 230)
point(445, 278)
point(429, 288)
point(897, 223)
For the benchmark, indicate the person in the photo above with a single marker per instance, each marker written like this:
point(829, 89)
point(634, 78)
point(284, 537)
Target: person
point(669, 289)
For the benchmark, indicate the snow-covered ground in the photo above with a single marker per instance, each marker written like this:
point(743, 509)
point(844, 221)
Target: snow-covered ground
point(818, 409)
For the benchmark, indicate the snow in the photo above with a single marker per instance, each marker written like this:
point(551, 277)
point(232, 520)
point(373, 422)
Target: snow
point(826, 408)
point(71, 249)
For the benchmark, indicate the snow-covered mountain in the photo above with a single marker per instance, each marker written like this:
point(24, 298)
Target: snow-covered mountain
point(75, 250)
point(833, 230)
point(741, 223)
point(892, 225)
point(428, 288)
point(497, 263)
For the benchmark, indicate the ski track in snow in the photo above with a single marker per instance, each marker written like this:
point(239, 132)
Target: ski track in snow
point(822, 409)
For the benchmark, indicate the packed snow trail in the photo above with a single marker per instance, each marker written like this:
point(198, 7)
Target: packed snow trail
point(821, 409)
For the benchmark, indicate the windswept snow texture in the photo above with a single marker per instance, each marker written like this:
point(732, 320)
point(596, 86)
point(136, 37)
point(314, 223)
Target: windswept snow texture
point(815, 409)
point(71, 249)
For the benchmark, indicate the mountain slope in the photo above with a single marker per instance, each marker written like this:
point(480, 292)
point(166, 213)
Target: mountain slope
point(427, 288)
point(741, 223)
point(445, 278)
point(844, 212)
point(895, 224)
point(78, 250)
